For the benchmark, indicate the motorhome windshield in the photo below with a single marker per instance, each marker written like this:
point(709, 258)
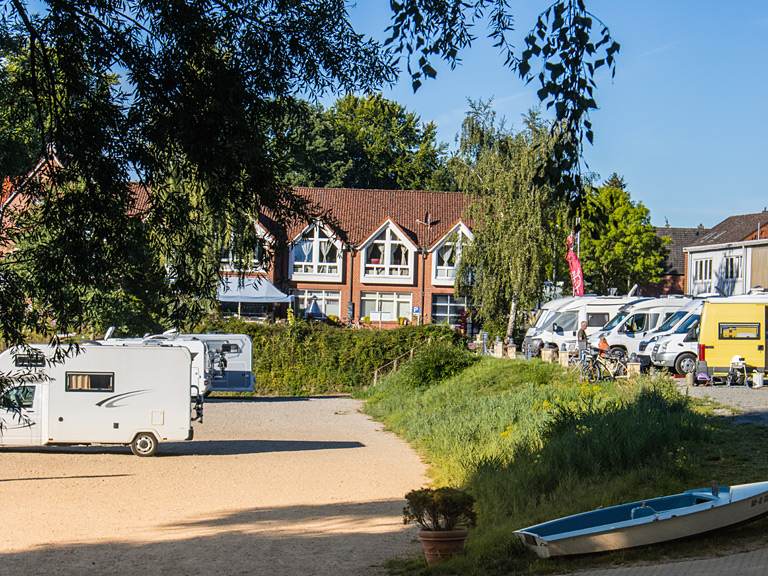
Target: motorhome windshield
point(616, 321)
point(544, 317)
point(672, 321)
point(689, 323)
point(566, 321)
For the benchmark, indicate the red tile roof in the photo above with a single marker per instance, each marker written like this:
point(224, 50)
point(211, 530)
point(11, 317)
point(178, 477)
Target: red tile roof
point(424, 216)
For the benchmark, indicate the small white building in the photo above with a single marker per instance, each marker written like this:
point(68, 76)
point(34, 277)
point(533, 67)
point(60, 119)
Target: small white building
point(731, 258)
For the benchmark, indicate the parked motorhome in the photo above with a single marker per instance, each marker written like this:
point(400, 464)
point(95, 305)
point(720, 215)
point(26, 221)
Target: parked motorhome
point(732, 336)
point(634, 322)
point(136, 396)
point(678, 350)
point(205, 359)
point(235, 372)
point(560, 327)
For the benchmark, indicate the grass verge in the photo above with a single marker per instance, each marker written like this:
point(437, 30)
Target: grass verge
point(531, 444)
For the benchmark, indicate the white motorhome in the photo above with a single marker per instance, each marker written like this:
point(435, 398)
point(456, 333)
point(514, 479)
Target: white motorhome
point(205, 360)
point(136, 396)
point(679, 350)
point(233, 358)
point(559, 330)
point(634, 322)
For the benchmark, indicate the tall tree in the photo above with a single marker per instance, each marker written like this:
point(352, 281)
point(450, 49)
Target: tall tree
point(365, 142)
point(619, 246)
point(202, 88)
point(503, 270)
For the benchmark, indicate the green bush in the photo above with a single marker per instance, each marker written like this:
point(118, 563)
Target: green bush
point(438, 361)
point(304, 358)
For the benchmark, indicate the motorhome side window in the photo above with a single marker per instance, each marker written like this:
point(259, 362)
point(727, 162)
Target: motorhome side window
point(85, 382)
point(230, 348)
point(598, 320)
point(32, 360)
point(739, 331)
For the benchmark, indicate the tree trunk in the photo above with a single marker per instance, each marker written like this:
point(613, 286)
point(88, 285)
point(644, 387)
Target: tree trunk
point(511, 323)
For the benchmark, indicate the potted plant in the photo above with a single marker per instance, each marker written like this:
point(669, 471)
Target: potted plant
point(444, 515)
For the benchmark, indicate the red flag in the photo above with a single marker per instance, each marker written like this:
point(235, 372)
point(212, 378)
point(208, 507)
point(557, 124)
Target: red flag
point(573, 263)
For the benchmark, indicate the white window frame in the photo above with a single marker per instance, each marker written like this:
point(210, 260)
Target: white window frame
point(453, 304)
point(732, 268)
point(395, 298)
point(702, 271)
point(324, 297)
point(256, 264)
point(387, 271)
point(312, 234)
point(457, 237)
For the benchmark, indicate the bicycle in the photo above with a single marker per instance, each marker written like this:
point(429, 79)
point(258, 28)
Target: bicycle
point(595, 365)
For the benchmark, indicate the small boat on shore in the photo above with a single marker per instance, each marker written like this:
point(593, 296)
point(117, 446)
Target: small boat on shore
point(648, 521)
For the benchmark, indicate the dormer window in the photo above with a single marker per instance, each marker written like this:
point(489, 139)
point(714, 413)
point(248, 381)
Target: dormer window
point(388, 257)
point(447, 254)
point(316, 255)
point(253, 261)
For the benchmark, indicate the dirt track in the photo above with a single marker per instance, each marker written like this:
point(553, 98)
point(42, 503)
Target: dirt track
point(269, 486)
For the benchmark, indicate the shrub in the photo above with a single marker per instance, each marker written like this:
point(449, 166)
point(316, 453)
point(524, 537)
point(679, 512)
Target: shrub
point(440, 509)
point(437, 362)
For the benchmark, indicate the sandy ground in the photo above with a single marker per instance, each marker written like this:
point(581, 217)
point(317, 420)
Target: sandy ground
point(268, 486)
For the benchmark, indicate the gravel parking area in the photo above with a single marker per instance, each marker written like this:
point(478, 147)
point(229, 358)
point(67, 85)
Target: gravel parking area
point(743, 403)
point(283, 486)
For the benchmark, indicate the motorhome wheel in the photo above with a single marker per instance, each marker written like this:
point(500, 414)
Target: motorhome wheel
point(144, 444)
point(618, 352)
point(685, 364)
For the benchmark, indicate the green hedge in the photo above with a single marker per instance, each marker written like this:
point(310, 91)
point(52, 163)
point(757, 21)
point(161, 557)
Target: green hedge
point(307, 358)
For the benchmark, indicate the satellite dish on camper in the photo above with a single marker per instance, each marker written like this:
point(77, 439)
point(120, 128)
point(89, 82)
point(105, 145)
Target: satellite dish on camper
point(110, 331)
point(632, 292)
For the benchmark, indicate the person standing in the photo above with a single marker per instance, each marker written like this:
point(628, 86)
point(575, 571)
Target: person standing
point(582, 340)
point(582, 335)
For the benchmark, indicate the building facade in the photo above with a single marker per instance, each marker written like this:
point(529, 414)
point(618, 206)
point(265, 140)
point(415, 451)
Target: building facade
point(387, 257)
point(731, 258)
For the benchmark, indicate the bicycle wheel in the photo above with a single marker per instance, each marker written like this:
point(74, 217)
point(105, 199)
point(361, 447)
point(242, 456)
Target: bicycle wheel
point(620, 370)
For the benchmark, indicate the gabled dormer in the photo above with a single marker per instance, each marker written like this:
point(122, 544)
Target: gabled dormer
point(387, 256)
point(256, 260)
point(316, 255)
point(446, 254)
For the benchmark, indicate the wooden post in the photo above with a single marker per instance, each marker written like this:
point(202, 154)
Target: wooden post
point(564, 358)
point(633, 369)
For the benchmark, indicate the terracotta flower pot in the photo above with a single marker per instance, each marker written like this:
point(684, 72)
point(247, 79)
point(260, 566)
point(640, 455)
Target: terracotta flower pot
point(442, 544)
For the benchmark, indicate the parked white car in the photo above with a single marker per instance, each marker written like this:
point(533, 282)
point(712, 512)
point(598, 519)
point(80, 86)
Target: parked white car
point(632, 324)
point(679, 351)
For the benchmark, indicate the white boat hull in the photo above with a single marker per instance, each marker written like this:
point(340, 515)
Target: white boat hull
point(741, 504)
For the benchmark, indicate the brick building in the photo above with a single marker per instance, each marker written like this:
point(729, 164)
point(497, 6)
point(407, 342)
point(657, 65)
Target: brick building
point(386, 255)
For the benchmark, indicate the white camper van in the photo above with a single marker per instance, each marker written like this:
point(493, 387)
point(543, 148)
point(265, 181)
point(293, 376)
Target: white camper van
point(633, 323)
point(233, 358)
point(679, 350)
point(205, 360)
point(137, 396)
point(560, 329)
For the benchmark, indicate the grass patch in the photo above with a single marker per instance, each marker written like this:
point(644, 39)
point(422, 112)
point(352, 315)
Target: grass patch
point(531, 444)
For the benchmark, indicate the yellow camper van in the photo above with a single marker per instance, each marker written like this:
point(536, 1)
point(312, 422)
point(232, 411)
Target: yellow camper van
point(733, 343)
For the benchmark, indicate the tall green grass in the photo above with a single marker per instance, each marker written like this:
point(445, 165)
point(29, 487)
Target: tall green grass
point(532, 443)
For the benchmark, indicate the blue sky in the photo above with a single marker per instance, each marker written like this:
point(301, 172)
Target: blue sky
point(684, 121)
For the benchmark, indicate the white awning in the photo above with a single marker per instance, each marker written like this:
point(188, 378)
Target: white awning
point(253, 290)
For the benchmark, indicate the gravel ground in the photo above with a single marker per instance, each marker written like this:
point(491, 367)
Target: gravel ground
point(269, 486)
point(743, 403)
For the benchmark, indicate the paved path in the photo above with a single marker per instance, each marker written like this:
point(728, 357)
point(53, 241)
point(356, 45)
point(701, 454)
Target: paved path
point(744, 564)
point(269, 487)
